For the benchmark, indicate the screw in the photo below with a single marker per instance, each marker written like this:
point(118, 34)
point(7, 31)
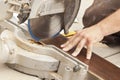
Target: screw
point(76, 68)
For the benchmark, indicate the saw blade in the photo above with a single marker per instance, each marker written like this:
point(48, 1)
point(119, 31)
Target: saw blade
point(50, 25)
point(45, 26)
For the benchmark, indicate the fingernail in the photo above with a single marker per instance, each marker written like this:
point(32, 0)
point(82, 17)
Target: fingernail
point(74, 54)
point(88, 57)
point(65, 49)
point(62, 45)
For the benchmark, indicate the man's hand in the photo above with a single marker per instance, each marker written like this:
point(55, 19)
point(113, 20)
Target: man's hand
point(86, 37)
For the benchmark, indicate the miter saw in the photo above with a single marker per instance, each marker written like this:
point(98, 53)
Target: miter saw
point(46, 18)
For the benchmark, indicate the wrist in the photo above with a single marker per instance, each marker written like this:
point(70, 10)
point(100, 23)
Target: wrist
point(102, 30)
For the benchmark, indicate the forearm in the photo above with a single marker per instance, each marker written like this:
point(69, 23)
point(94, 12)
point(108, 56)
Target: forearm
point(111, 24)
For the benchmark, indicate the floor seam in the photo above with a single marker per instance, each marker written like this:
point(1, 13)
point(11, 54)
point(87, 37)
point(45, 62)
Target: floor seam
point(112, 55)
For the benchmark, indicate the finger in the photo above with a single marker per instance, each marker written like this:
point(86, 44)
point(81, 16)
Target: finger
point(79, 47)
point(72, 44)
point(71, 39)
point(89, 51)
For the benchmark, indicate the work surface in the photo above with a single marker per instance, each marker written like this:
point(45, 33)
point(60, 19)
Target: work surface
point(97, 65)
